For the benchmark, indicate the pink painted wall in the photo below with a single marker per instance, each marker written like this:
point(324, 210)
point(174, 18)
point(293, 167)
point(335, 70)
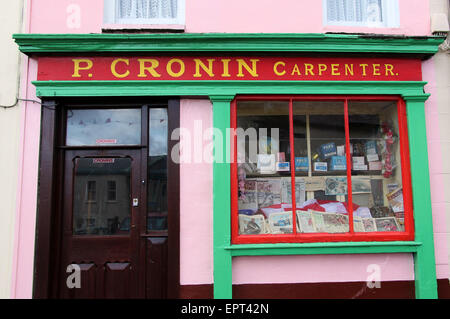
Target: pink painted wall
point(296, 16)
point(269, 16)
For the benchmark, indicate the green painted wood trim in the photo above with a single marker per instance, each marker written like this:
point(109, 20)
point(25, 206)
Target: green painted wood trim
point(324, 248)
point(221, 200)
point(226, 42)
point(424, 259)
point(190, 88)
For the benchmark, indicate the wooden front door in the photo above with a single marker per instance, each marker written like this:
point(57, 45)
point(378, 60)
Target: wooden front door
point(102, 224)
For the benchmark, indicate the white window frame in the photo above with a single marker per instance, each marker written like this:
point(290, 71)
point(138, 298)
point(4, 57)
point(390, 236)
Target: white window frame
point(111, 9)
point(390, 14)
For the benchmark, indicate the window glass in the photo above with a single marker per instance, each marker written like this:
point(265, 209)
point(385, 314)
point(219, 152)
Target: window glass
point(264, 177)
point(370, 13)
point(377, 191)
point(330, 162)
point(144, 11)
point(103, 127)
point(94, 211)
point(324, 166)
point(157, 170)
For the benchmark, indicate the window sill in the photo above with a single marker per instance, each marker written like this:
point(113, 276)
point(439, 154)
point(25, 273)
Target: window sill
point(143, 27)
point(323, 248)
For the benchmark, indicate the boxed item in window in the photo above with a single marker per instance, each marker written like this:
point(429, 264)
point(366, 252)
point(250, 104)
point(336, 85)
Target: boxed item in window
point(340, 150)
point(375, 166)
point(266, 163)
point(283, 167)
point(301, 164)
point(320, 166)
point(327, 150)
point(371, 148)
point(359, 167)
point(395, 199)
point(281, 157)
point(372, 158)
point(338, 163)
point(358, 160)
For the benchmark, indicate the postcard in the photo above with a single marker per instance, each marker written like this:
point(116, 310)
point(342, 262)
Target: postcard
point(336, 186)
point(269, 192)
point(305, 222)
point(387, 224)
point(252, 225)
point(316, 183)
point(300, 194)
point(395, 199)
point(361, 185)
point(248, 197)
point(329, 222)
point(281, 223)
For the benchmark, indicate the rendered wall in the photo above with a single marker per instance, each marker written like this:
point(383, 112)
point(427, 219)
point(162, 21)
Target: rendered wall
point(11, 22)
point(296, 16)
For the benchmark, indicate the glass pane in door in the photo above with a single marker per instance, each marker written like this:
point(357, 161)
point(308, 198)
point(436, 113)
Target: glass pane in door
point(101, 196)
point(103, 127)
point(157, 170)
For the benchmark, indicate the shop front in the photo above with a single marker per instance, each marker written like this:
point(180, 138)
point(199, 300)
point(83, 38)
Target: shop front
point(318, 146)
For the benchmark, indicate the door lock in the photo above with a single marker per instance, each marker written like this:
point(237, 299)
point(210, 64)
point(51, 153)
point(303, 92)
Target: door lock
point(135, 202)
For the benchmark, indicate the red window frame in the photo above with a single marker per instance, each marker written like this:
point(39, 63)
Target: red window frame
point(406, 235)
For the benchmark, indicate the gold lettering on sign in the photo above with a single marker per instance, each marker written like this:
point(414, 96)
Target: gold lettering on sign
point(208, 69)
point(170, 71)
point(143, 68)
point(114, 71)
point(242, 64)
point(77, 67)
point(275, 68)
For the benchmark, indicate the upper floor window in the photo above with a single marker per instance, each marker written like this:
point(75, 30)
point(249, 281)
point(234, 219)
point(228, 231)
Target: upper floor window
point(144, 12)
point(366, 13)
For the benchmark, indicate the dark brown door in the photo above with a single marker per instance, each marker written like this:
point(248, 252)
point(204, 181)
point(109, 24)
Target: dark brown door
point(102, 225)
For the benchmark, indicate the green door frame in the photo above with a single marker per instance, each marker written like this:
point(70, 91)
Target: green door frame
point(222, 93)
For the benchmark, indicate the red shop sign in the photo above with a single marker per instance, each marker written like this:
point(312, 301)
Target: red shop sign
point(228, 68)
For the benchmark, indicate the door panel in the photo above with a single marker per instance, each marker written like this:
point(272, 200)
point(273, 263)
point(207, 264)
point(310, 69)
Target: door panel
point(101, 224)
point(156, 268)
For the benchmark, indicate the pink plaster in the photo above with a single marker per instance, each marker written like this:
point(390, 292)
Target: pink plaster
point(23, 259)
point(233, 16)
point(436, 167)
point(317, 268)
point(196, 202)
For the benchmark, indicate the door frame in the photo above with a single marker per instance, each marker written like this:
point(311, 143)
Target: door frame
point(51, 181)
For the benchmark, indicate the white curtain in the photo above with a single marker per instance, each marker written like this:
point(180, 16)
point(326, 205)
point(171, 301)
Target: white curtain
point(354, 10)
point(147, 9)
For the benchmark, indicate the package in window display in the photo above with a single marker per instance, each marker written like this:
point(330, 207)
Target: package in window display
point(329, 222)
point(336, 186)
point(372, 158)
point(301, 164)
point(283, 167)
point(266, 163)
point(371, 148)
point(281, 223)
point(321, 166)
point(281, 157)
point(375, 166)
point(357, 167)
point(327, 150)
point(338, 163)
point(340, 150)
point(252, 225)
point(395, 199)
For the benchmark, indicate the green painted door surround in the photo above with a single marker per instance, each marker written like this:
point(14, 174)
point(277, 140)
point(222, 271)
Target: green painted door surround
point(222, 93)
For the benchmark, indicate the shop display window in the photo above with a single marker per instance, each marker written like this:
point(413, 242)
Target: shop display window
point(312, 169)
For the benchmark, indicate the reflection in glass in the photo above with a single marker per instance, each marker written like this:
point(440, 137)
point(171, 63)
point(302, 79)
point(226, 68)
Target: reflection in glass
point(157, 170)
point(264, 176)
point(103, 127)
point(320, 144)
point(376, 172)
point(95, 212)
